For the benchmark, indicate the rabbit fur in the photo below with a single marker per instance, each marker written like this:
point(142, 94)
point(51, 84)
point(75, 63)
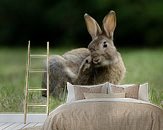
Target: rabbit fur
point(99, 63)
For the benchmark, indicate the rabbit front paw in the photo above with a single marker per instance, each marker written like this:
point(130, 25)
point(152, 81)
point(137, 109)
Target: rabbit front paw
point(86, 64)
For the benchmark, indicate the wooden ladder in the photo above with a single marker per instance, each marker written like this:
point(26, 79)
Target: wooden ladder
point(27, 89)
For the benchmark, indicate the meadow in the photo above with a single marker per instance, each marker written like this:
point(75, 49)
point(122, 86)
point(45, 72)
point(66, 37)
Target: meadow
point(143, 65)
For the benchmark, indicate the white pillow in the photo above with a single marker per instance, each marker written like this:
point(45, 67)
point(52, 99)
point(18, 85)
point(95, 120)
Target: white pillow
point(143, 92)
point(71, 96)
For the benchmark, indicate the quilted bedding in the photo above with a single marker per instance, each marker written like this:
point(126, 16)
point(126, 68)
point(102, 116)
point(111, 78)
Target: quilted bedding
point(106, 114)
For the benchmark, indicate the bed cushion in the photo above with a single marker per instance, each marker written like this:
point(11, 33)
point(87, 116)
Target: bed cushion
point(130, 91)
point(76, 92)
point(133, 90)
point(101, 95)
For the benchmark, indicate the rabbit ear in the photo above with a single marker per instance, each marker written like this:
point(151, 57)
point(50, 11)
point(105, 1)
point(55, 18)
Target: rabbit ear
point(92, 26)
point(109, 24)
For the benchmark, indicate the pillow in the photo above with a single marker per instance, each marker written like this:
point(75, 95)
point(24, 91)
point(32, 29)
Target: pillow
point(143, 92)
point(131, 91)
point(101, 95)
point(76, 92)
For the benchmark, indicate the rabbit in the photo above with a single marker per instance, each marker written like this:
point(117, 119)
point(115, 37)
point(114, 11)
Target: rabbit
point(99, 63)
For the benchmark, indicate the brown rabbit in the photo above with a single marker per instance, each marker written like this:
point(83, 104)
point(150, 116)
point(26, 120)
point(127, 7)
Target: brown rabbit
point(100, 63)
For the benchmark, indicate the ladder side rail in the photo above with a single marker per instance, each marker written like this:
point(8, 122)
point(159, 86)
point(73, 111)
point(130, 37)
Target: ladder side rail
point(47, 60)
point(26, 84)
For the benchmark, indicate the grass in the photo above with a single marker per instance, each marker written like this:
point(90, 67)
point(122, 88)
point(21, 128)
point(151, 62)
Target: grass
point(143, 65)
point(12, 80)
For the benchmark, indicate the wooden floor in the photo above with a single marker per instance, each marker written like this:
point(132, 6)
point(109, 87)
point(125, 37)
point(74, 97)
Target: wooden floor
point(18, 126)
point(16, 121)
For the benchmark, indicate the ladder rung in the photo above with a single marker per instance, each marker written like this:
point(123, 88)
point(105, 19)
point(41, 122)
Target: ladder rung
point(36, 89)
point(37, 71)
point(38, 56)
point(34, 105)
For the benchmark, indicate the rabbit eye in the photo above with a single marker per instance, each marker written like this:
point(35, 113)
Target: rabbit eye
point(104, 44)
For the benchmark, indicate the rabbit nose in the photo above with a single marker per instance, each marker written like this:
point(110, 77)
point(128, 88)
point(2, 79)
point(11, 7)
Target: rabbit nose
point(96, 60)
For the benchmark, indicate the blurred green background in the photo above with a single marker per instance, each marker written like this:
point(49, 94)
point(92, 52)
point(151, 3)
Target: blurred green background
point(139, 22)
point(138, 37)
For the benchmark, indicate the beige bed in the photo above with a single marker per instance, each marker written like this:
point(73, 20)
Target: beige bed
point(106, 114)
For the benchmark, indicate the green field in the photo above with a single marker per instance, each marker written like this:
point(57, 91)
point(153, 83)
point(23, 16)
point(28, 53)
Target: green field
point(143, 65)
